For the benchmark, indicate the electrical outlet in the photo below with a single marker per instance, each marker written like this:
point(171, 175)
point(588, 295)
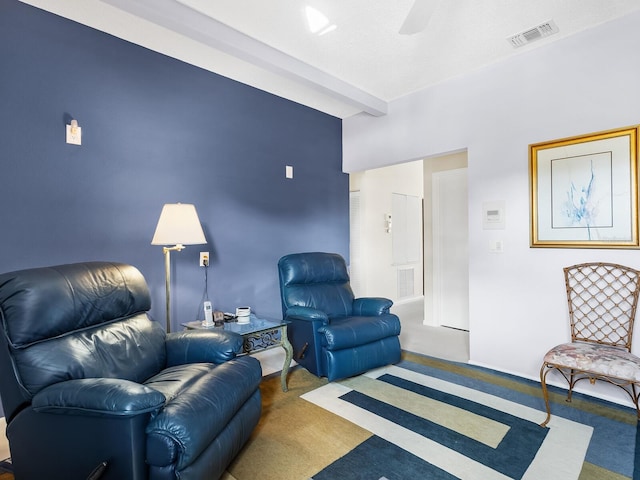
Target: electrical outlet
point(204, 259)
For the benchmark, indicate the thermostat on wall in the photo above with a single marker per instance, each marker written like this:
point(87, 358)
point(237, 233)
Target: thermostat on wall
point(493, 215)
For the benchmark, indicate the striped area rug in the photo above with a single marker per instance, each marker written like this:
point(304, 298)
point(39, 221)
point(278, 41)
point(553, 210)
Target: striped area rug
point(450, 423)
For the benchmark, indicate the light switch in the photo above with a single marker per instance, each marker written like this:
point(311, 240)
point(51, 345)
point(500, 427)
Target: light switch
point(289, 171)
point(495, 246)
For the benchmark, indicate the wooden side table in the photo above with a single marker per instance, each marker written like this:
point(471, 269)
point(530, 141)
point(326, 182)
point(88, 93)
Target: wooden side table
point(258, 335)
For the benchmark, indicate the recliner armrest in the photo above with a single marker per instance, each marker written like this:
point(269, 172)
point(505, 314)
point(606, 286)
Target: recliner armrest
point(98, 397)
point(371, 306)
point(208, 346)
point(306, 313)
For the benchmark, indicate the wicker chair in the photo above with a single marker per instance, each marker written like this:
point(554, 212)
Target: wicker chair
point(602, 301)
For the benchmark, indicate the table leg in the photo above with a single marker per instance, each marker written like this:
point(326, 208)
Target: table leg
point(287, 360)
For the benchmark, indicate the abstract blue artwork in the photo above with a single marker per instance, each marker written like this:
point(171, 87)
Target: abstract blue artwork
point(581, 192)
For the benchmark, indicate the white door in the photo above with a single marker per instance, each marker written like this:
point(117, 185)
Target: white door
point(450, 249)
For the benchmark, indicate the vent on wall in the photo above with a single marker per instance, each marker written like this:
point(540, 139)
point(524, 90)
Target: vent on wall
point(405, 282)
point(536, 33)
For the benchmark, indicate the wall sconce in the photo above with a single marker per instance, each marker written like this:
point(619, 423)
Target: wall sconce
point(387, 222)
point(74, 133)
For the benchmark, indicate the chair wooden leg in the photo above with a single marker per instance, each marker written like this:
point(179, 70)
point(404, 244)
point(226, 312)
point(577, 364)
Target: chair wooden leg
point(635, 395)
point(571, 383)
point(545, 393)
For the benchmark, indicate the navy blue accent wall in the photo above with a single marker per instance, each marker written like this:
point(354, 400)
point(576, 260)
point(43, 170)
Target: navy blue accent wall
point(156, 130)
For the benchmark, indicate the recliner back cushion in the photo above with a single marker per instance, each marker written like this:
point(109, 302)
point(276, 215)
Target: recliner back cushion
point(77, 321)
point(317, 280)
point(42, 303)
point(132, 349)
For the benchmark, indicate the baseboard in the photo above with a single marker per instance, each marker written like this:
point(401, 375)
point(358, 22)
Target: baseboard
point(625, 402)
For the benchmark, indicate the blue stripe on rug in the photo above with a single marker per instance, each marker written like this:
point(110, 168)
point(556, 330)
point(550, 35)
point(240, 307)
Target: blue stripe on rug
point(636, 463)
point(512, 457)
point(612, 444)
point(376, 458)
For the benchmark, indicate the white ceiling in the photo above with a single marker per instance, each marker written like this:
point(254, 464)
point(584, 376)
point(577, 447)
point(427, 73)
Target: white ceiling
point(360, 66)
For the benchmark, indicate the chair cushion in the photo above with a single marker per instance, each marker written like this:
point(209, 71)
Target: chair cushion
point(336, 300)
point(201, 400)
point(44, 303)
point(317, 280)
point(600, 359)
point(310, 268)
point(131, 349)
point(353, 361)
point(350, 332)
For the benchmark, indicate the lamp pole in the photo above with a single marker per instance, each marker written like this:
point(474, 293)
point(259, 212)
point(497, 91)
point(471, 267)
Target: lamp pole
point(167, 276)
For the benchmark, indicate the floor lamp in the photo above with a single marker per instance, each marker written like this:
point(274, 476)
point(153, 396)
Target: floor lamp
point(178, 225)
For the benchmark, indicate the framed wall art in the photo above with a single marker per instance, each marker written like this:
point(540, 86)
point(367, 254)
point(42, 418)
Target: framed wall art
point(584, 191)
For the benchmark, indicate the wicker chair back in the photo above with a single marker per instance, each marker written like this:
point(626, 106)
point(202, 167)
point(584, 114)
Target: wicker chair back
point(602, 303)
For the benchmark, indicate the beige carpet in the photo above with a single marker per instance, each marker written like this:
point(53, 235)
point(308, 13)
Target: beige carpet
point(294, 439)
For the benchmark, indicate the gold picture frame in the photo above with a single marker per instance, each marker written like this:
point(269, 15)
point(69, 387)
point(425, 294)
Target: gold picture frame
point(584, 190)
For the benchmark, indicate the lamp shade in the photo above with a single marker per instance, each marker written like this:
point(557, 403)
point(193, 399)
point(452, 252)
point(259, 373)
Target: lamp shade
point(178, 225)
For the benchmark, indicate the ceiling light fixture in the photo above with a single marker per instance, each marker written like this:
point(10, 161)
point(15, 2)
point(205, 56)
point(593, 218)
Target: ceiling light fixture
point(419, 16)
point(318, 22)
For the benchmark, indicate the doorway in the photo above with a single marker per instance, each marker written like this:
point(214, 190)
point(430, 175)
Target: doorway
point(373, 260)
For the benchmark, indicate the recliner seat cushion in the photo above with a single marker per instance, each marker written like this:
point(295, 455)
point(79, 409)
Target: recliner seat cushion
point(356, 331)
point(202, 399)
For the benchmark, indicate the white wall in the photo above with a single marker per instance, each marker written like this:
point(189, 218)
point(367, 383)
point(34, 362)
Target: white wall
point(376, 187)
point(581, 84)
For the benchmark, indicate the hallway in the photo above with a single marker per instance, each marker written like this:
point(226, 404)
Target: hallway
point(440, 342)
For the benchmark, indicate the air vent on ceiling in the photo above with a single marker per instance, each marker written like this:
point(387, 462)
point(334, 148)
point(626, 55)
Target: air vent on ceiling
point(536, 33)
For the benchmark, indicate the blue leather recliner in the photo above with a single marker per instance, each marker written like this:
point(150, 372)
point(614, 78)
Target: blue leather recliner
point(333, 334)
point(88, 380)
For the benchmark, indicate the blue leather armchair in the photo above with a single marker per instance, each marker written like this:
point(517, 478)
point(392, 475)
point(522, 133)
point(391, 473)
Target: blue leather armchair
point(87, 377)
point(333, 334)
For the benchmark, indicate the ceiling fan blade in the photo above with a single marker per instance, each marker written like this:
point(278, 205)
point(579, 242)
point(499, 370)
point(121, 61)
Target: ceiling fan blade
point(419, 16)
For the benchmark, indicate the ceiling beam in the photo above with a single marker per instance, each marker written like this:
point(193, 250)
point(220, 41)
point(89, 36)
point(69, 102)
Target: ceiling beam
point(186, 21)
